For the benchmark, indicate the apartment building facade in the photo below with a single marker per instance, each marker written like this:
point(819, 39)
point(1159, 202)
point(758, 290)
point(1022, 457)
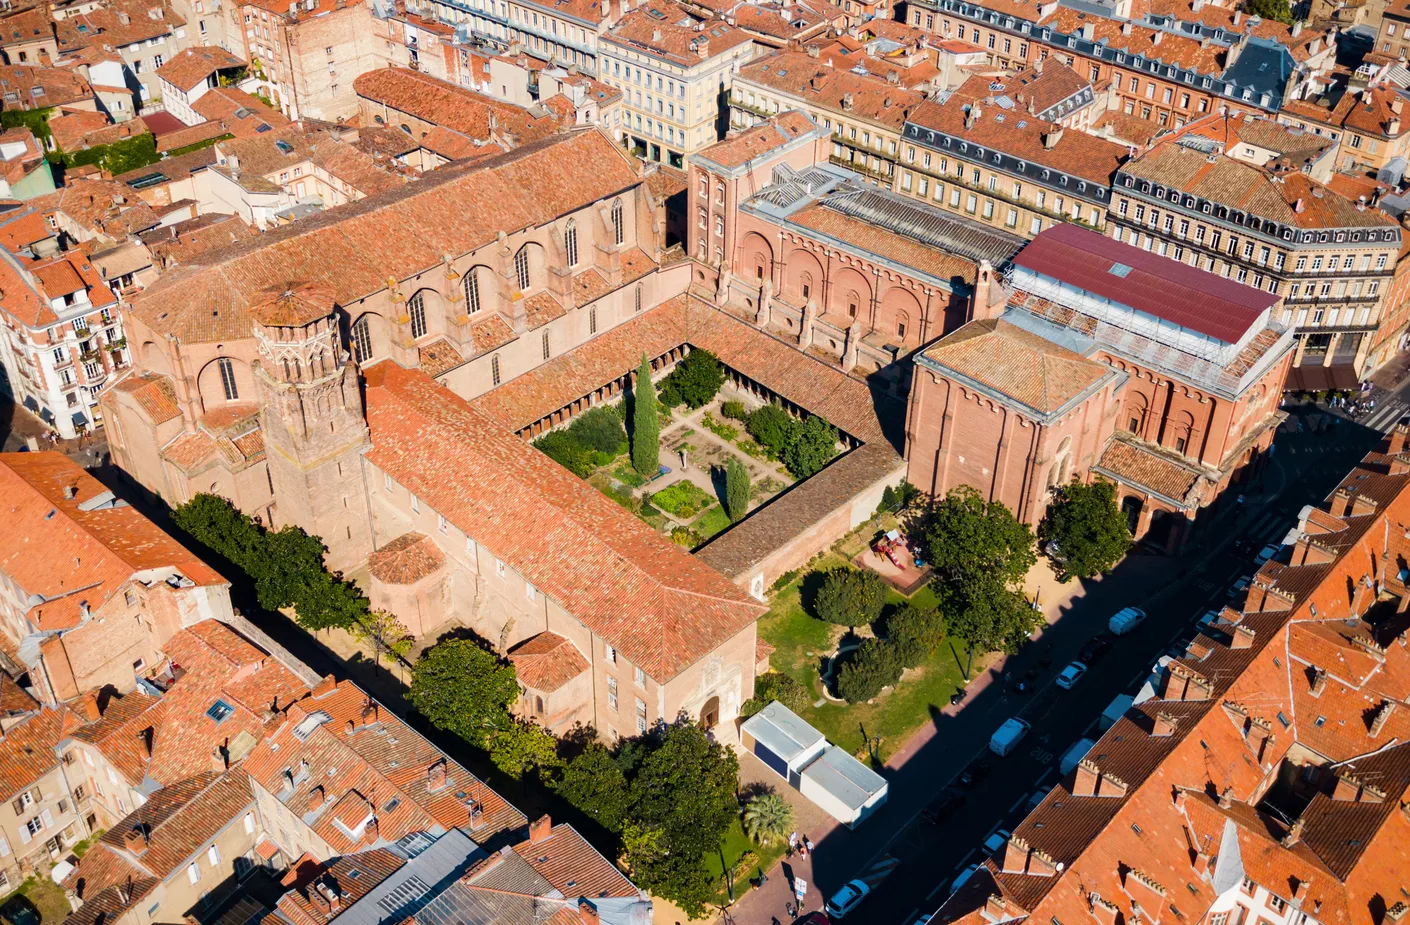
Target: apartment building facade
point(1271, 225)
point(144, 35)
point(673, 71)
point(42, 817)
point(564, 33)
point(304, 56)
point(1013, 173)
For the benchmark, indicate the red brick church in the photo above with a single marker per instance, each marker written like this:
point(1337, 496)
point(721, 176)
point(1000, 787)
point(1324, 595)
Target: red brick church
point(1107, 360)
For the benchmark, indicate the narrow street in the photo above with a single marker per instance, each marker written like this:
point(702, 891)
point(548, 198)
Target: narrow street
point(911, 863)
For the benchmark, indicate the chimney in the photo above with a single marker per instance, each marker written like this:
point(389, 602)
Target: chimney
point(812, 51)
point(1087, 776)
point(1396, 913)
point(315, 799)
point(1397, 440)
point(1393, 126)
point(1111, 786)
point(1226, 799)
point(135, 839)
point(1299, 890)
point(325, 687)
point(1104, 911)
point(1294, 833)
point(1297, 29)
point(1238, 17)
point(1319, 682)
point(972, 116)
point(1299, 206)
point(90, 707)
point(436, 776)
point(1052, 136)
point(540, 829)
point(70, 492)
point(1165, 725)
point(1015, 855)
point(1041, 864)
point(587, 912)
point(1242, 637)
point(1126, 28)
point(1383, 712)
point(1155, 39)
point(995, 908)
point(1347, 788)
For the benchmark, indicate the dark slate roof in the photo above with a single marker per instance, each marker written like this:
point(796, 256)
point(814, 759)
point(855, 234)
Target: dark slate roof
point(1263, 65)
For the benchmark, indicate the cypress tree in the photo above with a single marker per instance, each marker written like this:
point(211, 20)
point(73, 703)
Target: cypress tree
point(646, 423)
point(736, 489)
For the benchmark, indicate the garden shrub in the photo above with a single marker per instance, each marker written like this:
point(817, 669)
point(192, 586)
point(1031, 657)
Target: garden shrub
point(682, 499)
point(786, 689)
point(784, 580)
point(599, 429)
point(734, 410)
point(871, 667)
point(914, 633)
point(567, 452)
point(850, 597)
point(684, 536)
point(772, 427)
point(695, 381)
point(814, 443)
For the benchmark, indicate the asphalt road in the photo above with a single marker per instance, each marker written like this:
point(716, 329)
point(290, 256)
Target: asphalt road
point(1304, 468)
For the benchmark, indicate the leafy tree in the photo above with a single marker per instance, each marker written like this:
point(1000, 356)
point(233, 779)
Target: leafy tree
point(734, 410)
point(768, 818)
point(595, 783)
point(695, 380)
point(772, 427)
point(814, 444)
point(646, 423)
point(736, 489)
point(1278, 10)
point(972, 538)
point(775, 685)
point(871, 667)
point(599, 429)
point(567, 452)
point(988, 616)
point(214, 522)
point(914, 633)
point(463, 688)
point(850, 597)
point(685, 789)
point(1088, 528)
point(897, 498)
point(388, 636)
point(520, 747)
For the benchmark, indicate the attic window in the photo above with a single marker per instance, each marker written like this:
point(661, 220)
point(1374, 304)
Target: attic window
point(1135, 828)
point(220, 711)
point(391, 804)
point(1319, 722)
point(1119, 269)
point(354, 873)
point(1283, 719)
point(284, 146)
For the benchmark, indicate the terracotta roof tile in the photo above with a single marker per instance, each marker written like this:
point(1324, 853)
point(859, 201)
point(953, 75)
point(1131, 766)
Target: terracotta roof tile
point(192, 65)
point(574, 867)
point(546, 662)
point(1147, 469)
point(27, 751)
point(803, 78)
point(406, 559)
point(474, 115)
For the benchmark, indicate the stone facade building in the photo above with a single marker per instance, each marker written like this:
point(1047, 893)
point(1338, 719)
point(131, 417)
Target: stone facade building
point(1107, 362)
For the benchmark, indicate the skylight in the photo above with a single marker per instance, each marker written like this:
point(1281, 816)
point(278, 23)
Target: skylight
point(220, 711)
point(1119, 269)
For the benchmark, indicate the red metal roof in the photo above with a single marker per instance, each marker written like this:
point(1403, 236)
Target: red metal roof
point(1159, 286)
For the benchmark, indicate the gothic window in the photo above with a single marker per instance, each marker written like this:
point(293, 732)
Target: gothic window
point(637, 307)
point(362, 340)
point(227, 378)
point(619, 230)
point(494, 369)
point(592, 320)
point(472, 291)
point(418, 315)
point(521, 267)
point(545, 345)
point(570, 242)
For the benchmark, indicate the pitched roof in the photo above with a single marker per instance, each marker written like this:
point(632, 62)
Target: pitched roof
point(547, 661)
point(27, 750)
point(338, 749)
point(1016, 363)
point(25, 87)
point(238, 112)
point(103, 544)
point(406, 559)
point(440, 102)
point(632, 587)
point(664, 29)
point(833, 89)
point(293, 306)
point(1158, 286)
point(203, 301)
point(192, 65)
point(573, 867)
point(759, 140)
point(154, 394)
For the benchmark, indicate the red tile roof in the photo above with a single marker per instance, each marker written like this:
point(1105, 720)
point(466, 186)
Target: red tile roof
point(27, 750)
point(632, 587)
point(547, 661)
point(102, 548)
point(442, 103)
point(193, 65)
point(1159, 286)
point(406, 559)
point(574, 867)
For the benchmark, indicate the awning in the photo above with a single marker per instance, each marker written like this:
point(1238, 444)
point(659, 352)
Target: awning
point(80, 419)
point(31, 404)
point(1341, 376)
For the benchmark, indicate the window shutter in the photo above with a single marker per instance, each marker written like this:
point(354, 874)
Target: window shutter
point(36, 794)
point(48, 819)
point(18, 805)
point(24, 833)
point(4, 847)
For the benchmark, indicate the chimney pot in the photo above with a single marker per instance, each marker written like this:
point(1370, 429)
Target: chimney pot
point(325, 687)
point(1165, 725)
point(1226, 799)
point(91, 712)
point(1085, 784)
point(1294, 833)
point(540, 829)
point(1015, 855)
point(587, 912)
point(135, 839)
point(1242, 636)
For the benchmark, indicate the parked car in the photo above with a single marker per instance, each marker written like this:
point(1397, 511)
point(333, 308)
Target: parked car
point(1239, 588)
point(846, 899)
point(963, 878)
point(1071, 675)
point(996, 841)
point(1206, 621)
point(1036, 797)
point(1094, 650)
point(972, 775)
point(943, 806)
point(1125, 620)
point(1266, 553)
point(1007, 737)
point(815, 918)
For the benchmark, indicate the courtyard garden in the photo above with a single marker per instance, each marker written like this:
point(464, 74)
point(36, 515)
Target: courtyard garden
point(701, 456)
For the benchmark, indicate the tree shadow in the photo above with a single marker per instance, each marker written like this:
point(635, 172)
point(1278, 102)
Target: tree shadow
point(808, 590)
point(18, 910)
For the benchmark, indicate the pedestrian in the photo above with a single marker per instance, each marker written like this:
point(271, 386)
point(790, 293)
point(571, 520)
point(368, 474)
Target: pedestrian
point(803, 849)
point(808, 843)
point(792, 843)
point(790, 909)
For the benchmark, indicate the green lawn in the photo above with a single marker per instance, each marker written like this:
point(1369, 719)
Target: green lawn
point(736, 844)
point(799, 641)
point(38, 900)
point(711, 522)
point(683, 499)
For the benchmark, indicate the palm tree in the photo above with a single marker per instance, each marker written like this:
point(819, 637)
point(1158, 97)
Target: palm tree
point(768, 818)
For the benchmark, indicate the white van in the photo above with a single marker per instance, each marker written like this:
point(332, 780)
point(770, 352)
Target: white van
point(1125, 620)
point(1008, 736)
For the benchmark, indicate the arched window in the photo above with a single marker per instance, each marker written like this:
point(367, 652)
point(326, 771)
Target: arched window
point(570, 242)
point(521, 267)
point(638, 298)
point(494, 369)
point(362, 340)
point(417, 308)
point(472, 291)
point(227, 378)
point(619, 230)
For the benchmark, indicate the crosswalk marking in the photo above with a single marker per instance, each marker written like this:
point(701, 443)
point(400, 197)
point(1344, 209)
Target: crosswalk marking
point(1386, 416)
